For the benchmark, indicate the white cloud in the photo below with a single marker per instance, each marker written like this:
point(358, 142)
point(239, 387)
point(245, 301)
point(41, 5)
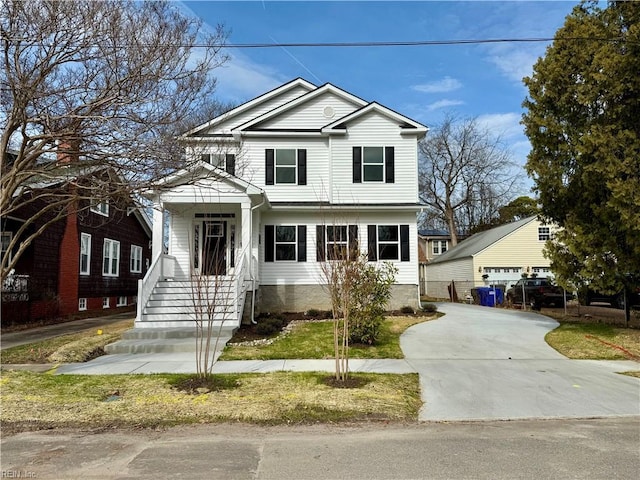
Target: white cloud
point(241, 79)
point(513, 63)
point(443, 104)
point(447, 84)
point(504, 125)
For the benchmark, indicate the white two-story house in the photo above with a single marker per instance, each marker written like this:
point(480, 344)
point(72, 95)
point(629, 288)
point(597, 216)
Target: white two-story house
point(273, 187)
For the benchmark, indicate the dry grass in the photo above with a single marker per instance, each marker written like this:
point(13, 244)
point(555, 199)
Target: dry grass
point(78, 347)
point(595, 341)
point(35, 401)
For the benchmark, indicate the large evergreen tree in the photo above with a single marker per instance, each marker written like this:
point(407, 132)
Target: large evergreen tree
point(583, 120)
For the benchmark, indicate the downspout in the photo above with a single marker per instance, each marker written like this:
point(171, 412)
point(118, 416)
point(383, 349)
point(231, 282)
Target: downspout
point(252, 276)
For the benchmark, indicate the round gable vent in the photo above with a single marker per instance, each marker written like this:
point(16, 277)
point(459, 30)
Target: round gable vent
point(328, 112)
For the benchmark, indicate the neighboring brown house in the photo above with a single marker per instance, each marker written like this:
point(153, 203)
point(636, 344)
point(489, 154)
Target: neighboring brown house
point(91, 260)
point(431, 244)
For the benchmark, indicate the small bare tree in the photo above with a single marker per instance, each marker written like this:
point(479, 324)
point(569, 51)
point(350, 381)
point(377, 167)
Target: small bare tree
point(103, 85)
point(464, 175)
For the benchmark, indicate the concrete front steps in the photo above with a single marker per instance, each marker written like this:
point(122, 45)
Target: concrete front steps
point(166, 340)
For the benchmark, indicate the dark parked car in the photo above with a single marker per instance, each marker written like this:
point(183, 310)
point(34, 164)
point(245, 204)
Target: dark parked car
point(616, 300)
point(538, 292)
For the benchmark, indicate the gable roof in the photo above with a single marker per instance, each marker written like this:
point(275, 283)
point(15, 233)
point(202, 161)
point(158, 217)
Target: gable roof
point(480, 241)
point(326, 88)
point(295, 83)
point(406, 124)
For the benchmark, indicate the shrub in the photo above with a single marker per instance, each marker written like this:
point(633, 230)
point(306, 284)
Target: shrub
point(269, 326)
point(429, 307)
point(407, 310)
point(318, 314)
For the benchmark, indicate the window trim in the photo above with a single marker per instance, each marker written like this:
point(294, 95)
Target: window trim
point(381, 243)
point(106, 302)
point(294, 166)
point(9, 234)
point(101, 208)
point(135, 259)
point(388, 164)
point(109, 272)
point(87, 236)
point(82, 304)
point(544, 234)
point(374, 243)
point(439, 244)
point(120, 303)
point(270, 243)
point(276, 243)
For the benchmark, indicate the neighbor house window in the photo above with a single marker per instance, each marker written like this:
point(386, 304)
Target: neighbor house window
point(388, 242)
point(100, 207)
point(225, 161)
point(544, 233)
point(122, 302)
point(541, 269)
point(110, 258)
point(373, 164)
point(85, 254)
point(5, 240)
point(335, 242)
point(82, 304)
point(439, 246)
point(136, 259)
point(285, 166)
point(285, 243)
point(105, 302)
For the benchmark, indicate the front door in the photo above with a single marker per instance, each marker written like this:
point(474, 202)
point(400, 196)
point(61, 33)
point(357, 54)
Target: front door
point(211, 247)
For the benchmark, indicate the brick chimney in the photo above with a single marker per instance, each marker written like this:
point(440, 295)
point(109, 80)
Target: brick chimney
point(68, 151)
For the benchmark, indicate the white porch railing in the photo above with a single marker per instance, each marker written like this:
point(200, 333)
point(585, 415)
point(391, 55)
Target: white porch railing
point(163, 267)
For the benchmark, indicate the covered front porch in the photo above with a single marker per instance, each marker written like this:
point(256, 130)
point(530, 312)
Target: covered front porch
point(205, 254)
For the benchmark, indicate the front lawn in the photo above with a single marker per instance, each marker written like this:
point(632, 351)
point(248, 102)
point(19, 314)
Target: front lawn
point(314, 340)
point(595, 341)
point(32, 401)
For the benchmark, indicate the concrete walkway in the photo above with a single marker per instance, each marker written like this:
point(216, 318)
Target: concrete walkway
point(475, 363)
point(480, 363)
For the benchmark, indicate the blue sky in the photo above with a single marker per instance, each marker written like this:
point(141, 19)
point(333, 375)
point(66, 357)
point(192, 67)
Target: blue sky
point(422, 82)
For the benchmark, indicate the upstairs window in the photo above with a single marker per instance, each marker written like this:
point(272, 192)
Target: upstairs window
point(85, 254)
point(439, 246)
point(136, 259)
point(285, 166)
point(224, 161)
point(5, 240)
point(111, 258)
point(100, 207)
point(373, 164)
point(544, 233)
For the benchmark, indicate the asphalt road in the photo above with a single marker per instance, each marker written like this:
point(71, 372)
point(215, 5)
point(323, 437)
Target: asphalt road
point(536, 449)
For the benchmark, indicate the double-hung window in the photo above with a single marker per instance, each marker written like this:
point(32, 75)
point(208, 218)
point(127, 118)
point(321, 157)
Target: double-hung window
point(285, 243)
point(85, 254)
point(100, 207)
point(110, 258)
point(225, 161)
point(388, 242)
point(286, 166)
point(439, 246)
point(544, 233)
point(373, 164)
point(5, 240)
point(136, 259)
point(336, 242)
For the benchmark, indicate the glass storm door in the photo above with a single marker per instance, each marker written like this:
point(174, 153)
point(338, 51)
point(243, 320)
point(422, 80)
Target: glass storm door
point(210, 245)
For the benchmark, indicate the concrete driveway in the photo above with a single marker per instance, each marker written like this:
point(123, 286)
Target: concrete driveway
point(481, 363)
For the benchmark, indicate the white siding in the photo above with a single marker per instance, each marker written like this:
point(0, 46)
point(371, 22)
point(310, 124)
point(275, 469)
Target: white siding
point(439, 275)
point(317, 186)
point(310, 272)
point(375, 130)
point(261, 108)
point(310, 115)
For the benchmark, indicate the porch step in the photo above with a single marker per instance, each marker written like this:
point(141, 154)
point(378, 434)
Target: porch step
point(165, 340)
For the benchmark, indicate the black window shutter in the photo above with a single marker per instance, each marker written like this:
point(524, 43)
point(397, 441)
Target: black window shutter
point(269, 242)
point(321, 254)
point(302, 243)
point(302, 166)
point(404, 243)
point(373, 242)
point(389, 165)
point(230, 163)
point(357, 164)
point(353, 242)
point(269, 166)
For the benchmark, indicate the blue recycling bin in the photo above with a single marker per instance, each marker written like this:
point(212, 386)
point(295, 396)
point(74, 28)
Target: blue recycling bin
point(490, 296)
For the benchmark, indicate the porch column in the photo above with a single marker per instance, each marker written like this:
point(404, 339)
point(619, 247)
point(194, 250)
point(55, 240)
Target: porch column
point(158, 229)
point(245, 229)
